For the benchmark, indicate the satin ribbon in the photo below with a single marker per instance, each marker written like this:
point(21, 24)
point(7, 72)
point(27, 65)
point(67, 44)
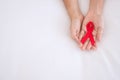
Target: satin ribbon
point(90, 28)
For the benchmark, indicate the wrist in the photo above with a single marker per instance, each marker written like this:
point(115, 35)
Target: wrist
point(94, 12)
point(96, 7)
point(77, 16)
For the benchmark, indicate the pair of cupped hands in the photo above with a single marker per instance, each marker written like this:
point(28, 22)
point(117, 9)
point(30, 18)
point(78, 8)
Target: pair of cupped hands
point(79, 30)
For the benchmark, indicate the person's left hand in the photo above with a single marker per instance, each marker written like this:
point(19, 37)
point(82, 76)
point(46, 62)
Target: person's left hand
point(97, 33)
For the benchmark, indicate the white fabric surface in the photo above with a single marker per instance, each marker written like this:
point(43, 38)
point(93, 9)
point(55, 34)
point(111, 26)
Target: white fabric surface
point(35, 43)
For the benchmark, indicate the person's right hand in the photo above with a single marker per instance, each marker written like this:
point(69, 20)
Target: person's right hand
point(75, 28)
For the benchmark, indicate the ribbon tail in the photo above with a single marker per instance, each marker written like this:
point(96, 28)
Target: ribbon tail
point(85, 38)
point(92, 39)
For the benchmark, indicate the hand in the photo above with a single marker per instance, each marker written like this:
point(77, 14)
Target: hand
point(97, 33)
point(75, 28)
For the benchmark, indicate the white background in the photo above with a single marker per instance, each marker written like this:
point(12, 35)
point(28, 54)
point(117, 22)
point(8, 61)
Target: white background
point(35, 43)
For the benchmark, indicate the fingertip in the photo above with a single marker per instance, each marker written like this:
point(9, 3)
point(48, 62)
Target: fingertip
point(81, 44)
point(94, 48)
point(85, 45)
point(89, 46)
point(83, 48)
point(76, 39)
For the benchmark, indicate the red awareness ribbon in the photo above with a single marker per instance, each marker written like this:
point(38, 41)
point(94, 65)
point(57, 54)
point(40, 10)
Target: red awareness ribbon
point(90, 28)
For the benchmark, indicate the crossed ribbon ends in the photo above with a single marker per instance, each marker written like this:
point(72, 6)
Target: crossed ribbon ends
point(90, 28)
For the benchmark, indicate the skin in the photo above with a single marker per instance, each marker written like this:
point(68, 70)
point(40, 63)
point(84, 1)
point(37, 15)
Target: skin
point(78, 21)
point(76, 17)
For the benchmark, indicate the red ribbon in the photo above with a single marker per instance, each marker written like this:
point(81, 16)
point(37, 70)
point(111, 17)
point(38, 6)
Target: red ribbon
point(90, 28)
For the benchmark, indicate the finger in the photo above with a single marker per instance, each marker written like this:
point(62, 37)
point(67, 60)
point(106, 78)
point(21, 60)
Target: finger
point(82, 33)
point(84, 26)
point(80, 37)
point(89, 46)
point(77, 34)
point(74, 36)
point(99, 33)
point(94, 33)
point(95, 45)
point(93, 48)
point(85, 44)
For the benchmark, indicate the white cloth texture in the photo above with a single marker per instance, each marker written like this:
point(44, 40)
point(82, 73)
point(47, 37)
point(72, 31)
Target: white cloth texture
point(35, 43)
